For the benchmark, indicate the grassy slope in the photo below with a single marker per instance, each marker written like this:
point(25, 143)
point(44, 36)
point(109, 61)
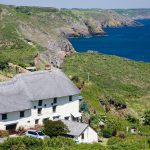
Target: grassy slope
point(111, 76)
point(13, 47)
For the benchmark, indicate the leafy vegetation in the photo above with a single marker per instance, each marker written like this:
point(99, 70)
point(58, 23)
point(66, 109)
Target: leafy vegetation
point(55, 128)
point(147, 118)
point(59, 143)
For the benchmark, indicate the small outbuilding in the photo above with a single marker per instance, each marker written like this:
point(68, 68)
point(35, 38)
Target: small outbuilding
point(81, 132)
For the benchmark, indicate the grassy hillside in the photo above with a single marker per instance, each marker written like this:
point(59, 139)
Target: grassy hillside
point(13, 46)
point(117, 92)
point(113, 77)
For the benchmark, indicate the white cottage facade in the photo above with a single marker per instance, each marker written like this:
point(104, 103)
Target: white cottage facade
point(31, 98)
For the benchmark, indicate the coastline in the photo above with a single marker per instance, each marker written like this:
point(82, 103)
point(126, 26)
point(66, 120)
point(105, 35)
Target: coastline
point(104, 33)
point(132, 40)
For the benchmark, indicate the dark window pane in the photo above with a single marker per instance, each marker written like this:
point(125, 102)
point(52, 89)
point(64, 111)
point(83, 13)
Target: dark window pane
point(55, 100)
point(39, 111)
point(70, 98)
point(37, 121)
point(40, 103)
point(82, 136)
point(21, 114)
point(4, 116)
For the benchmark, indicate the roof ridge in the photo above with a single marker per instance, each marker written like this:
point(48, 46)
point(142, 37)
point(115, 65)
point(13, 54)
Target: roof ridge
point(18, 76)
point(31, 73)
point(75, 122)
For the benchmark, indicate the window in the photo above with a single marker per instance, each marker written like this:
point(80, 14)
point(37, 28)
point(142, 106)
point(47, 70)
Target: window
point(37, 121)
point(82, 136)
point(4, 116)
point(54, 109)
point(55, 100)
point(32, 133)
point(40, 103)
point(56, 117)
point(66, 118)
point(41, 134)
point(39, 111)
point(34, 107)
point(21, 114)
point(70, 98)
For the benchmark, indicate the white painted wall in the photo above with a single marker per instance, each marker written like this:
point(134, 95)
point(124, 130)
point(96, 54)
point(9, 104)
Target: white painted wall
point(64, 108)
point(90, 136)
point(14, 117)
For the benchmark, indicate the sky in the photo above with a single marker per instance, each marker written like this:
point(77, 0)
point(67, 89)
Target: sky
point(104, 4)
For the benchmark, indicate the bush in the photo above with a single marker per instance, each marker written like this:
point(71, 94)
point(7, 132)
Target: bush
point(147, 118)
point(28, 143)
point(132, 119)
point(107, 133)
point(25, 142)
point(55, 128)
point(75, 79)
point(4, 133)
point(59, 142)
point(84, 107)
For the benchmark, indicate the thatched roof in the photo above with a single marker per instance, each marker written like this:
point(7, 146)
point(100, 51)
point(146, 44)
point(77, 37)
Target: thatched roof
point(17, 94)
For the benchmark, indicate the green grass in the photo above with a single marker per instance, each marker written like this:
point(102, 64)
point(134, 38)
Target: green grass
point(111, 76)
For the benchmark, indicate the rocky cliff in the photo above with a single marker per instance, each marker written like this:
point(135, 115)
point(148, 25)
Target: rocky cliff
point(49, 28)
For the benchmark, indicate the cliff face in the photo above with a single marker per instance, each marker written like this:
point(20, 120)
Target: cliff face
point(54, 26)
point(50, 27)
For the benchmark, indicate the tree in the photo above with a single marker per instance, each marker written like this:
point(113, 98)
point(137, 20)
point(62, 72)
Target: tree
point(147, 118)
point(55, 128)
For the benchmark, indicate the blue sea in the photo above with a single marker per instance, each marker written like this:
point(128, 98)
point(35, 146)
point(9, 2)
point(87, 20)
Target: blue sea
point(129, 42)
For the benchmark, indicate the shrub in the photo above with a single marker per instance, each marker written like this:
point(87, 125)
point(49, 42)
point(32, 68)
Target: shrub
point(147, 118)
point(55, 128)
point(24, 142)
point(107, 133)
point(4, 133)
point(75, 79)
point(84, 107)
point(132, 119)
point(59, 142)
point(28, 143)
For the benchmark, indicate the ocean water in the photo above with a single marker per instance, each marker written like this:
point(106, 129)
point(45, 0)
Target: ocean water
point(129, 42)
